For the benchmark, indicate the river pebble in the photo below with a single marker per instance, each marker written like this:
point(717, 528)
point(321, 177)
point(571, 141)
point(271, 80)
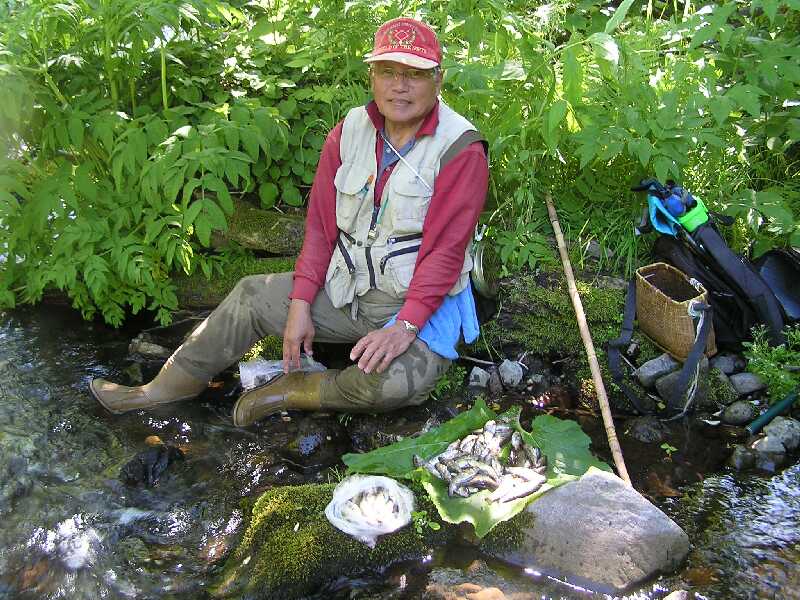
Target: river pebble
point(510, 373)
point(747, 383)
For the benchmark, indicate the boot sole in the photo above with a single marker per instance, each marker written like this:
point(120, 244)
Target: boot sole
point(238, 417)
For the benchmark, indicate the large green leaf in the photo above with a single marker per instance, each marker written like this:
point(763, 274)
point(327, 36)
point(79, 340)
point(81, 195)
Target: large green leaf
point(397, 460)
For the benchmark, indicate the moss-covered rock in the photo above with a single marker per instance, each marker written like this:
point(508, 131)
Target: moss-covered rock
point(196, 291)
point(720, 390)
point(265, 230)
point(289, 548)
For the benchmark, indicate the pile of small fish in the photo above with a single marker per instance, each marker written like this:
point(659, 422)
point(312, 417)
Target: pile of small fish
point(472, 464)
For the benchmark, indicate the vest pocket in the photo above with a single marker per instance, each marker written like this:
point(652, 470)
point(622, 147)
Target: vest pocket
point(410, 200)
point(398, 268)
point(340, 279)
point(352, 186)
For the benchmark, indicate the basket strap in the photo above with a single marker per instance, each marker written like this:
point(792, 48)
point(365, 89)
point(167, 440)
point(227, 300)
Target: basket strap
point(615, 349)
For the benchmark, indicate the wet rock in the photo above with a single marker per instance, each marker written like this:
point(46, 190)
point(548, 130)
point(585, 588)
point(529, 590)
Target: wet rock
point(769, 444)
point(770, 461)
point(747, 383)
point(611, 283)
point(601, 530)
point(721, 390)
point(147, 467)
point(725, 363)
point(317, 444)
point(679, 595)
point(786, 430)
point(667, 385)
point(476, 582)
point(743, 458)
point(647, 429)
point(740, 412)
point(145, 348)
point(478, 377)
point(495, 384)
point(510, 373)
point(654, 369)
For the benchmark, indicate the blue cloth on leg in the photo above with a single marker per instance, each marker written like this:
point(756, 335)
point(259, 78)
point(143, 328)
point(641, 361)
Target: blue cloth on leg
point(456, 317)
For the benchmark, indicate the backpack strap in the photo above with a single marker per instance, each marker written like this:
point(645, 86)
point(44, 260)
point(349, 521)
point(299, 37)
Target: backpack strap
point(615, 348)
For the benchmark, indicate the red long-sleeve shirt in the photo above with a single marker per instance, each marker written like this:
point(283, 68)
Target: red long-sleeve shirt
point(458, 198)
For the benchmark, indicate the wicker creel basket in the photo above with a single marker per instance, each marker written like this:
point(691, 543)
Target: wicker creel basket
point(663, 296)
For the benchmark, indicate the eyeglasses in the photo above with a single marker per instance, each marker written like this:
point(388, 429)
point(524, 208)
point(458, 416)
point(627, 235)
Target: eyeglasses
point(387, 74)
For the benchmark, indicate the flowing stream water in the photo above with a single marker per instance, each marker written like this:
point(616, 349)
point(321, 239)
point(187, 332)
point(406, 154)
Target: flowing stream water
point(69, 527)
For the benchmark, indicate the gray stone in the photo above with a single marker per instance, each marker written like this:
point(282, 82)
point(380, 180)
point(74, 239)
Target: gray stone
point(599, 530)
point(770, 461)
point(725, 363)
point(666, 386)
point(478, 377)
point(495, 385)
point(743, 458)
point(647, 429)
point(679, 595)
point(740, 412)
point(656, 368)
point(747, 383)
point(786, 430)
point(769, 444)
point(510, 373)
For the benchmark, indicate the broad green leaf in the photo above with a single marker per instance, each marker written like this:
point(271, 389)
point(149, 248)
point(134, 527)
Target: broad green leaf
point(250, 141)
point(555, 115)
point(231, 135)
point(83, 182)
point(746, 96)
point(572, 76)
point(397, 460)
point(189, 188)
point(214, 214)
point(618, 16)
point(565, 445)
point(720, 107)
point(191, 213)
point(240, 115)
point(76, 131)
point(710, 25)
point(157, 132)
point(605, 48)
point(291, 195)
point(104, 131)
point(268, 194)
point(642, 149)
point(202, 227)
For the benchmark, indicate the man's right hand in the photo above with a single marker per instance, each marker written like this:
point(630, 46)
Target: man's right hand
point(299, 331)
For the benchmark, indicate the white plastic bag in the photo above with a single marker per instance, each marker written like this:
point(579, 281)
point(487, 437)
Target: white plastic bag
point(259, 371)
point(366, 506)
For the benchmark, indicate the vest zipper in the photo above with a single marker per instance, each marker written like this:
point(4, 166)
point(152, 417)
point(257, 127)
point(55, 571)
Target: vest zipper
point(404, 238)
point(348, 261)
point(372, 233)
point(394, 253)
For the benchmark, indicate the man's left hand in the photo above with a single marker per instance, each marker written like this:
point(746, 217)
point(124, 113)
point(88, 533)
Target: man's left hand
point(379, 348)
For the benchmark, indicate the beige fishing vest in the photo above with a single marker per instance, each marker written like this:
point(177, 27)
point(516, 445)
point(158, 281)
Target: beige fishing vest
point(378, 246)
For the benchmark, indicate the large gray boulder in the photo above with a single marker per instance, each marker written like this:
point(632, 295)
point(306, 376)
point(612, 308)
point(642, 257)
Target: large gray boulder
point(599, 532)
point(786, 430)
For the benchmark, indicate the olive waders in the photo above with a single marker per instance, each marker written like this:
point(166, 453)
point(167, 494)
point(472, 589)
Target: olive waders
point(257, 307)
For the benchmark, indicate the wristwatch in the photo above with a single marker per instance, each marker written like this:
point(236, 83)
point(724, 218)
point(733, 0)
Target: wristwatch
point(410, 326)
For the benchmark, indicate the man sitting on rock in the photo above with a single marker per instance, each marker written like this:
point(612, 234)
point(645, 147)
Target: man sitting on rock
point(395, 200)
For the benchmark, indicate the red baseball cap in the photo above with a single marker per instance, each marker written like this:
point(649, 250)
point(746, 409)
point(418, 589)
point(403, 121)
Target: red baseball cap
point(407, 41)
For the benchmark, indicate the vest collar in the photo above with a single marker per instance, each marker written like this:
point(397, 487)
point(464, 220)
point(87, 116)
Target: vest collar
point(428, 125)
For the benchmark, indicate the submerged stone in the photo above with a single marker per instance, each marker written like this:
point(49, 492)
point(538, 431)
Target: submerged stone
point(647, 429)
point(599, 532)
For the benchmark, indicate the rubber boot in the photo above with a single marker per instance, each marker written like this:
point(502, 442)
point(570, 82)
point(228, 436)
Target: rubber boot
point(170, 385)
point(298, 390)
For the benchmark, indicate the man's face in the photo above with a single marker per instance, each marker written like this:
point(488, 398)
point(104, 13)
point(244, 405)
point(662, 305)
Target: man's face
point(404, 95)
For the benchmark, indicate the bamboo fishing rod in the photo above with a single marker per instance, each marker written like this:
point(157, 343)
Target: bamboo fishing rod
point(588, 344)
